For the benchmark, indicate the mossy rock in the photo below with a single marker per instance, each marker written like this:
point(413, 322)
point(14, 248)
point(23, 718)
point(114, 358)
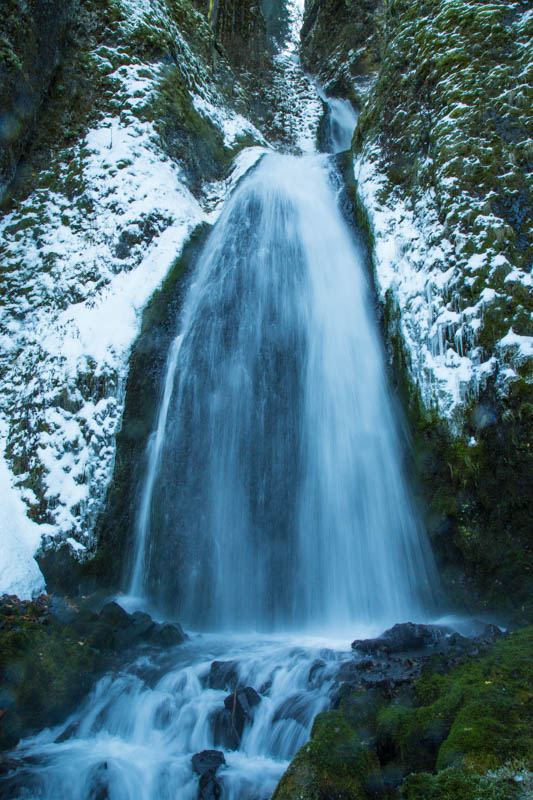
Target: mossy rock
point(480, 714)
point(462, 731)
point(45, 669)
point(460, 784)
point(334, 765)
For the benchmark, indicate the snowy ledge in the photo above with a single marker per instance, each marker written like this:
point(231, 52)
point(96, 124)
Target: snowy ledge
point(416, 262)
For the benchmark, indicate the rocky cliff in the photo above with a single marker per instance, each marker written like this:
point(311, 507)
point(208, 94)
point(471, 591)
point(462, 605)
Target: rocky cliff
point(33, 38)
point(143, 112)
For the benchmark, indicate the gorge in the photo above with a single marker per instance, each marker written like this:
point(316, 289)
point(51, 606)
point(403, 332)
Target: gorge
point(218, 443)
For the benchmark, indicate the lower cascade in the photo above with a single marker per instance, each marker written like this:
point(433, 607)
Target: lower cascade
point(274, 516)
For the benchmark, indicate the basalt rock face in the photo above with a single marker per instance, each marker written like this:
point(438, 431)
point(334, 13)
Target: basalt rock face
point(33, 36)
point(240, 27)
point(444, 178)
point(341, 44)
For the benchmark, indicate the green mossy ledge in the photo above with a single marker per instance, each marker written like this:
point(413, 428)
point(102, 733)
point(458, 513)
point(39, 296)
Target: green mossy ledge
point(462, 734)
point(334, 764)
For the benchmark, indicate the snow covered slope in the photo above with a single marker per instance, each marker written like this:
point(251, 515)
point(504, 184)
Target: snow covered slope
point(147, 129)
point(84, 245)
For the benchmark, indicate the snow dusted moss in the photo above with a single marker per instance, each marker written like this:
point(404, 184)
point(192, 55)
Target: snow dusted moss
point(94, 222)
point(444, 168)
point(443, 159)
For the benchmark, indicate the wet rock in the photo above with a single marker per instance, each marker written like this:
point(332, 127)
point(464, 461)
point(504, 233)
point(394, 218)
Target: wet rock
point(117, 630)
point(209, 788)
point(315, 672)
point(228, 722)
point(490, 633)
point(241, 704)
point(167, 635)
point(296, 708)
point(67, 733)
point(403, 637)
point(223, 675)
point(114, 615)
point(224, 732)
point(207, 761)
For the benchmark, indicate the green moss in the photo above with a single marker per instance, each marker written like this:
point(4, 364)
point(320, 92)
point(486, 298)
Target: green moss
point(36, 652)
point(462, 732)
point(187, 135)
point(479, 715)
point(333, 764)
point(453, 784)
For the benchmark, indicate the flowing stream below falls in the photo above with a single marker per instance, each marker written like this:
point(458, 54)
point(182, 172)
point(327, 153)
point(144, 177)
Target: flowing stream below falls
point(274, 509)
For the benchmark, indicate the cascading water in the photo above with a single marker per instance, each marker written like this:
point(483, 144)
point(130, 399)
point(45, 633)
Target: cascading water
point(275, 497)
point(341, 120)
point(273, 500)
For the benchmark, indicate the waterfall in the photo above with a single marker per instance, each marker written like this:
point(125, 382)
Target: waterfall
point(274, 500)
point(275, 495)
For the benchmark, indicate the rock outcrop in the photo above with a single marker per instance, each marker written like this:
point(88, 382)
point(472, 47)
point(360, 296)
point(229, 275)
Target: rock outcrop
point(445, 721)
point(33, 37)
point(52, 650)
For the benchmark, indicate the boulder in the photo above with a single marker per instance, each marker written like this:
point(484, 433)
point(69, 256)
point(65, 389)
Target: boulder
point(241, 704)
point(297, 707)
point(224, 732)
point(209, 788)
point(228, 722)
point(403, 637)
point(207, 761)
point(114, 615)
point(168, 634)
point(223, 675)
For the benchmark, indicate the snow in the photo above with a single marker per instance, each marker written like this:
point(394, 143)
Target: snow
point(82, 264)
point(518, 275)
point(414, 260)
point(20, 538)
point(232, 124)
point(524, 344)
point(300, 106)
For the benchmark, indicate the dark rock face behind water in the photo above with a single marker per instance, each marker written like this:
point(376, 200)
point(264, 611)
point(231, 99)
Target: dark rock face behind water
point(34, 36)
point(402, 637)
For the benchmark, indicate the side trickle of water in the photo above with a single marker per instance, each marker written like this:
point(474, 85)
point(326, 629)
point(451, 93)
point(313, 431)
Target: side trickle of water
point(276, 497)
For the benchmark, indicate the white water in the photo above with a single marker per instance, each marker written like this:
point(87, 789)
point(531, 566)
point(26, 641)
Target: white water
point(341, 124)
point(276, 495)
point(274, 499)
point(134, 736)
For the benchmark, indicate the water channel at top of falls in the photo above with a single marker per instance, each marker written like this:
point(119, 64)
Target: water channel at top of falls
point(274, 522)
